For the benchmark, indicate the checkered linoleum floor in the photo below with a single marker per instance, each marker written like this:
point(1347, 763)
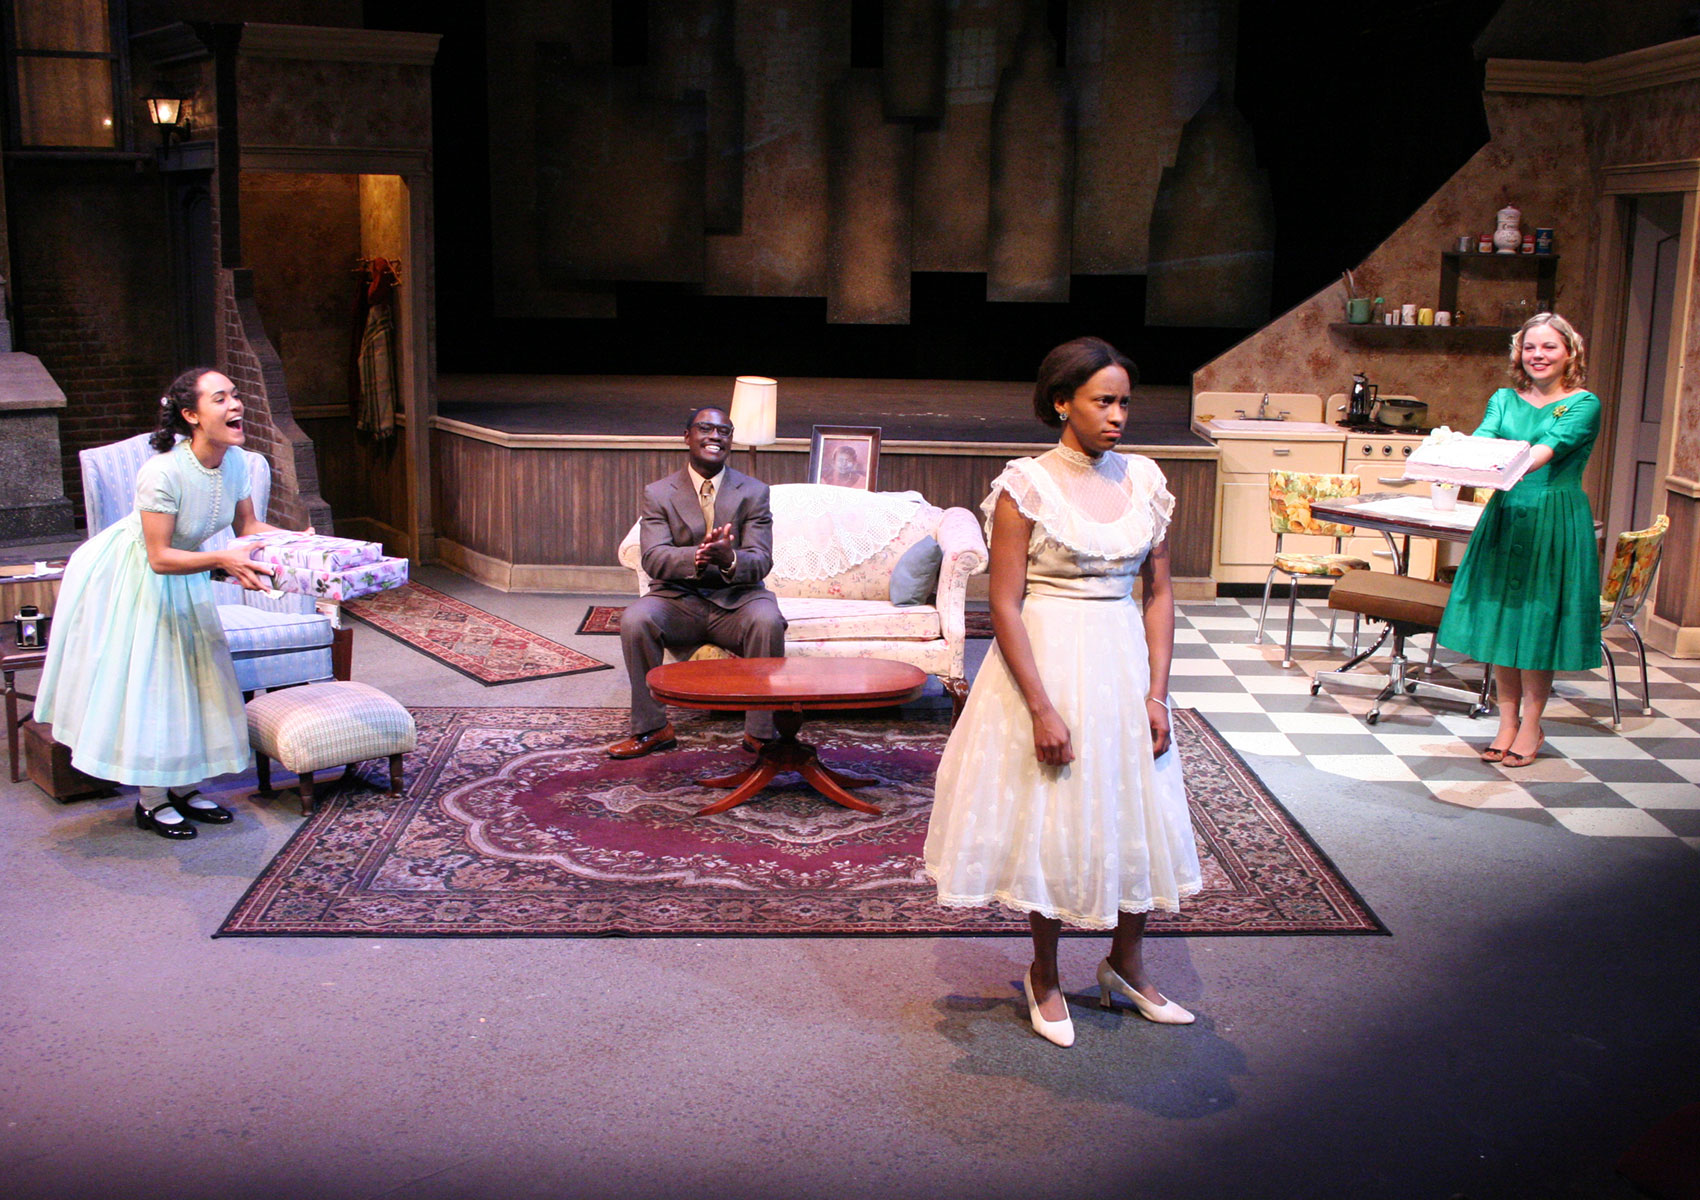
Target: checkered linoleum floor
point(1642, 781)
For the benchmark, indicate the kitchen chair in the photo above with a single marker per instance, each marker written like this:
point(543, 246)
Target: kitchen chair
point(274, 642)
point(1290, 496)
point(1629, 581)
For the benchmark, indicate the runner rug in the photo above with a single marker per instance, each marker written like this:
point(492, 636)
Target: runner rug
point(470, 640)
point(605, 618)
point(514, 822)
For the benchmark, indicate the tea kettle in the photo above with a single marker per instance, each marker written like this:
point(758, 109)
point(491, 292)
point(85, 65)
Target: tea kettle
point(1362, 402)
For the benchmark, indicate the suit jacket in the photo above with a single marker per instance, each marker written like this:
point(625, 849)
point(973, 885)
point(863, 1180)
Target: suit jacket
point(671, 528)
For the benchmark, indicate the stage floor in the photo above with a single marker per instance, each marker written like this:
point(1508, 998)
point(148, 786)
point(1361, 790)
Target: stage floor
point(923, 410)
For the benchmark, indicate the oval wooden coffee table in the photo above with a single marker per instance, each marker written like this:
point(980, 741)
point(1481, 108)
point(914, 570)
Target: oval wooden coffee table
point(790, 687)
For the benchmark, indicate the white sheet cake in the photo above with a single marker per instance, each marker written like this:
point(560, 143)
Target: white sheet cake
point(1450, 457)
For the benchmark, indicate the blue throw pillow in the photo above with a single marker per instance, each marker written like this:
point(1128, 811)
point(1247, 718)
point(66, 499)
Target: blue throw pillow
point(915, 578)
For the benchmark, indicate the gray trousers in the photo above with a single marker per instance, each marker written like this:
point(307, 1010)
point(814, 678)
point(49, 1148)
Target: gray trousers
point(652, 623)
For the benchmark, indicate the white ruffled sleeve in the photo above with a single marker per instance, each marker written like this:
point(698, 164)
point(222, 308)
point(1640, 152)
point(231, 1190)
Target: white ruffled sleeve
point(1148, 475)
point(1019, 484)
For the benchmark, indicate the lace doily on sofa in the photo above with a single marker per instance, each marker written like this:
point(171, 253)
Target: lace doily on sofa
point(828, 530)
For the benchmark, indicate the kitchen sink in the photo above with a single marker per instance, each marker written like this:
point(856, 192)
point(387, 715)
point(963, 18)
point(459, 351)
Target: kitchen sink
point(1277, 428)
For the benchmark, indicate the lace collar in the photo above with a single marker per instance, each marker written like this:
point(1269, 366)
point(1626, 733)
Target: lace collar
point(1070, 455)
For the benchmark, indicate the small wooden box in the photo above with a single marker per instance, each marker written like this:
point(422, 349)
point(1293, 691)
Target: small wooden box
point(50, 769)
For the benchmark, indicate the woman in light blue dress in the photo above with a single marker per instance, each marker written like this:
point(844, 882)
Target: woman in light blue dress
point(138, 680)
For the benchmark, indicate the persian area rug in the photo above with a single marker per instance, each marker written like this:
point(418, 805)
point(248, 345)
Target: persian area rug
point(605, 618)
point(470, 640)
point(514, 822)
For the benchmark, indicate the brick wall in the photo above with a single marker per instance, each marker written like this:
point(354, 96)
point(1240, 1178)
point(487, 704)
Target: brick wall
point(111, 387)
point(248, 357)
point(92, 297)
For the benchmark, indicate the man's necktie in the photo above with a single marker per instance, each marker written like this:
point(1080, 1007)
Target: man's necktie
point(706, 499)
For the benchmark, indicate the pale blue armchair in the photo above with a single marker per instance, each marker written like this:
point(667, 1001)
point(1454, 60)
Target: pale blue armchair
point(274, 643)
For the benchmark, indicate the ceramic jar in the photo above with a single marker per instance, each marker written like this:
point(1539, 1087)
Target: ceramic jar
point(1508, 233)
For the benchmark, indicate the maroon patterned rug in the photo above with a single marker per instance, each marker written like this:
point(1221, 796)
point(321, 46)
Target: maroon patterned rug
point(514, 822)
point(605, 618)
point(472, 641)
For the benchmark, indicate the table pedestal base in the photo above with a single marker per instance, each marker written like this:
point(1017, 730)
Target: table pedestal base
point(786, 753)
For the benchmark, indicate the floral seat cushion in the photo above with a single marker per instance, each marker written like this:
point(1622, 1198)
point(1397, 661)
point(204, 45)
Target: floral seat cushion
point(1319, 564)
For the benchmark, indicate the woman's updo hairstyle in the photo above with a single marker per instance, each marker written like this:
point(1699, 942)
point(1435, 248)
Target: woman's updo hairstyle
point(184, 392)
point(1070, 365)
point(1575, 371)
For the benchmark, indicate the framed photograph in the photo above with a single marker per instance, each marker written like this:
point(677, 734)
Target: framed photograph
point(845, 456)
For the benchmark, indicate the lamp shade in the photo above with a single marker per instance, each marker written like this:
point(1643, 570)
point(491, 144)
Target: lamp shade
point(755, 410)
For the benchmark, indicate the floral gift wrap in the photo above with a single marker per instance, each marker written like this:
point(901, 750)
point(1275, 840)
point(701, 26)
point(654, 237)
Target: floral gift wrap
point(310, 550)
point(340, 586)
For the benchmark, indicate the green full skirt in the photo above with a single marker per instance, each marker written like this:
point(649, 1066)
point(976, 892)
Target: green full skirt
point(1527, 594)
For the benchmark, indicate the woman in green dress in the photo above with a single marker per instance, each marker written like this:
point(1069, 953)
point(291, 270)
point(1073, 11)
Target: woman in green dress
point(1527, 595)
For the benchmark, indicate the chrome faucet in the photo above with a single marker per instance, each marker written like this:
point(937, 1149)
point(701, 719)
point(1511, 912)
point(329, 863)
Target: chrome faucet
point(1262, 413)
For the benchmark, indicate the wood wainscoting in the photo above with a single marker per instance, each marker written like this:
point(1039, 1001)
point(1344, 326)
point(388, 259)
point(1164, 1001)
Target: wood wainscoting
point(1674, 624)
point(547, 512)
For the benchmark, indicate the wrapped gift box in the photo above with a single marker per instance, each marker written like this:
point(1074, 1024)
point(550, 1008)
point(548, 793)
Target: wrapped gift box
point(310, 551)
point(337, 587)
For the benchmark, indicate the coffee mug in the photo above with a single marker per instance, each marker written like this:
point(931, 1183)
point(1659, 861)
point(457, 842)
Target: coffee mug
point(1391, 317)
point(1425, 316)
point(1358, 311)
point(1442, 317)
point(1407, 314)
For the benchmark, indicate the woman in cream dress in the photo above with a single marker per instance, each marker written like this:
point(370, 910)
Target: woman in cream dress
point(1060, 793)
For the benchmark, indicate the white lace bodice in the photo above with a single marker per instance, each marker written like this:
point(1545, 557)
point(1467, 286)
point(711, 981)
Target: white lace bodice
point(1094, 520)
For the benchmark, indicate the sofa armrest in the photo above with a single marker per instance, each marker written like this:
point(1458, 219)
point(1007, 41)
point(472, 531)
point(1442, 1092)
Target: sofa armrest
point(965, 555)
point(630, 555)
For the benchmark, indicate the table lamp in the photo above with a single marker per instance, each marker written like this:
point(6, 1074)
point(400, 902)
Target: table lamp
point(755, 413)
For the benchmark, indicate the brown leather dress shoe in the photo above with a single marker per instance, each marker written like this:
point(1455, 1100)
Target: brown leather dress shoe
point(645, 743)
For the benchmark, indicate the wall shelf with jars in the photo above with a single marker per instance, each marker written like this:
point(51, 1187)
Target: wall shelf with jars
point(1428, 337)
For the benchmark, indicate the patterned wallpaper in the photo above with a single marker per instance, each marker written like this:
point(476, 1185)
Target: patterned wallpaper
point(1544, 156)
point(1537, 160)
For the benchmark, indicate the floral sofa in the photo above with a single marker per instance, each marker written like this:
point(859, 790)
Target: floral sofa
point(834, 552)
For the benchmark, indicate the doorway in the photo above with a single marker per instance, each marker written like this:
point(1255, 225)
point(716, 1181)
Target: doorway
point(1652, 228)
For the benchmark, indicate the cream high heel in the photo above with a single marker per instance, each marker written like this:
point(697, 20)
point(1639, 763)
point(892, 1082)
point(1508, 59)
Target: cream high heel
point(1166, 1013)
point(1061, 1032)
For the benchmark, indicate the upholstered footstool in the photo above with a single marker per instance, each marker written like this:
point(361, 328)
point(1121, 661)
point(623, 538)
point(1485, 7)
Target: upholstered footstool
point(320, 725)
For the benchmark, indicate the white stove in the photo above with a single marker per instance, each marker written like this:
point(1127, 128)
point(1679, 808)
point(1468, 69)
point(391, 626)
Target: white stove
point(1378, 459)
point(1389, 448)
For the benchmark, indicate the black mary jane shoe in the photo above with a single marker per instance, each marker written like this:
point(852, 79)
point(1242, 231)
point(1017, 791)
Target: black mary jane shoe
point(166, 829)
point(216, 815)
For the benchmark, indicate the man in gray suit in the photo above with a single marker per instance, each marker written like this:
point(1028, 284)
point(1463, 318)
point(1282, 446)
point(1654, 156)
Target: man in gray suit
point(707, 541)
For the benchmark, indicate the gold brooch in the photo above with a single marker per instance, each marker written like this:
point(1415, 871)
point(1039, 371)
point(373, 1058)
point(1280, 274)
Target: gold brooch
point(1561, 410)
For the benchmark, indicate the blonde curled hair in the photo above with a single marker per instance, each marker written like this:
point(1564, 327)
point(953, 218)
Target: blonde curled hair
point(1575, 369)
